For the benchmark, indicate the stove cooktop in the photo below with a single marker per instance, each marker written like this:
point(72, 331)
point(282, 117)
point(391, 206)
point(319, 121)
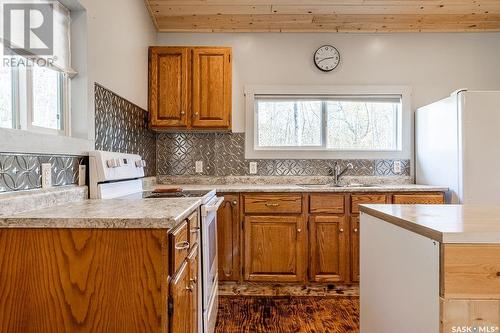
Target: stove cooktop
point(181, 194)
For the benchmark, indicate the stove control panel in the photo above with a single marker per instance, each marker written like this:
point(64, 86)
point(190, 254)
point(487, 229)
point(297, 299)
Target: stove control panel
point(107, 166)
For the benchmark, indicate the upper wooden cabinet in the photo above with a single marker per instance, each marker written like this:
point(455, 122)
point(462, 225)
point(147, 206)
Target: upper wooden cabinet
point(190, 88)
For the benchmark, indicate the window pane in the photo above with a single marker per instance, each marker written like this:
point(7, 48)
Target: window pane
point(46, 103)
point(6, 97)
point(362, 125)
point(283, 123)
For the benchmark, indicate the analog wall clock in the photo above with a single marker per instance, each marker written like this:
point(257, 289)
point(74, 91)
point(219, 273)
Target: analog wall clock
point(327, 58)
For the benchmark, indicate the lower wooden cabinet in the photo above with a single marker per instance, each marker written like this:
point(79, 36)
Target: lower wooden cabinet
point(275, 248)
point(328, 251)
point(228, 238)
point(354, 249)
point(194, 289)
point(180, 301)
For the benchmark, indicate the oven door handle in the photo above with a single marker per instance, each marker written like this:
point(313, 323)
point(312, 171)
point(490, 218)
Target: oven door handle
point(206, 209)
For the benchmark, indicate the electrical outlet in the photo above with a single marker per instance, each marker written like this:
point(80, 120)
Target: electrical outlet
point(199, 166)
point(253, 168)
point(46, 175)
point(397, 167)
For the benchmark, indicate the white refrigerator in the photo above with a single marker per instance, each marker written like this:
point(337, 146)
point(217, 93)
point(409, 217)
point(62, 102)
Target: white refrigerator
point(457, 144)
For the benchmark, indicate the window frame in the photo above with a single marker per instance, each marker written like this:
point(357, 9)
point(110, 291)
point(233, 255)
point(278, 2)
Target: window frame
point(404, 135)
point(22, 102)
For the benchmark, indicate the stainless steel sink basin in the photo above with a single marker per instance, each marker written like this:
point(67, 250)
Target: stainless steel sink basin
point(314, 185)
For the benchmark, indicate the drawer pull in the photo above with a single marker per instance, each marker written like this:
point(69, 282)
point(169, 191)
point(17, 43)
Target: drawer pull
point(194, 280)
point(182, 245)
point(190, 288)
point(195, 230)
point(274, 204)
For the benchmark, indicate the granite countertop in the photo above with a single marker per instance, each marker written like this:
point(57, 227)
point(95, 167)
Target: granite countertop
point(228, 188)
point(443, 223)
point(113, 213)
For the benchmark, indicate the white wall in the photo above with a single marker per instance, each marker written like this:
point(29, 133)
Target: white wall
point(432, 64)
point(110, 40)
point(119, 33)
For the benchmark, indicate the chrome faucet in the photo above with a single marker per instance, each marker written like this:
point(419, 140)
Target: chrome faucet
point(337, 173)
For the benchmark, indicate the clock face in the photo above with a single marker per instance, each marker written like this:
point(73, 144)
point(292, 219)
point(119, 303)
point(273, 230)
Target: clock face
point(327, 58)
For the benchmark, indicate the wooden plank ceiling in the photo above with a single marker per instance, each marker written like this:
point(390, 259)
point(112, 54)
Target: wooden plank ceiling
point(325, 15)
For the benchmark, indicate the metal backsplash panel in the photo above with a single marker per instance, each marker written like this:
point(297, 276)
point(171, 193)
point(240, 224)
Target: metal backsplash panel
point(223, 154)
point(23, 171)
point(122, 126)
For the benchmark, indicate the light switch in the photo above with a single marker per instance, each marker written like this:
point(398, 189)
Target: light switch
point(46, 175)
point(199, 166)
point(253, 168)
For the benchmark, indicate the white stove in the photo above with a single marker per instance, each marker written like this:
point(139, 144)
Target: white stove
point(118, 175)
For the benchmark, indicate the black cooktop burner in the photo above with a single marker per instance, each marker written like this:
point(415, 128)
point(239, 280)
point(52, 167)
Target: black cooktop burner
point(181, 194)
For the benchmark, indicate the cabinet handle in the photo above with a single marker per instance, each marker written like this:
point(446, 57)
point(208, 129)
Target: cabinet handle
point(182, 245)
point(190, 288)
point(341, 229)
point(194, 280)
point(235, 202)
point(196, 114)
point(195, 230)
point(299, 230)
point(272, 204)
point(355, 229)
point(183, 113)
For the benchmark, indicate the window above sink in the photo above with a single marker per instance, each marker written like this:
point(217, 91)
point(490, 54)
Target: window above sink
point(328, 122)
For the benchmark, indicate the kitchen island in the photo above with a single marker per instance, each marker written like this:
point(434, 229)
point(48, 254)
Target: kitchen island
point(430, 268)
point(117, 265)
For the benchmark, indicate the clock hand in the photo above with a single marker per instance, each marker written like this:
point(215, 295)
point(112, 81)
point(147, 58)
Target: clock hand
point(325, 59)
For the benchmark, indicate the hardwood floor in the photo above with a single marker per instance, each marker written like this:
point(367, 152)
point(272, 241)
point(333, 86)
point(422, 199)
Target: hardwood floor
point(307, 314)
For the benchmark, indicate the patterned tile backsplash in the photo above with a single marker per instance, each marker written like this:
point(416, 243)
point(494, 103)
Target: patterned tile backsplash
point(223, 154)
point(23, 171)
point(122, 126)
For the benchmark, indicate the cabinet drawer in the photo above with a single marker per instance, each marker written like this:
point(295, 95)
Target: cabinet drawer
point(359, 199)
point(470, 271)
point(194, 229)
point(179, 245)
point(415, 199)
point(273, 203)
point(326, 203)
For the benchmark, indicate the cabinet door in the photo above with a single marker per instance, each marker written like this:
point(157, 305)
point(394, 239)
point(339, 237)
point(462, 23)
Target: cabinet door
point(275, 248)
point(228, 238)
point(328, 248)
point(169, 86)
point(355, 248)
point(194, 288)
point(180, 306)
point(211, 88)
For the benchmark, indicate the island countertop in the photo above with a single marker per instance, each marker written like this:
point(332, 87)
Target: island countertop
point(154, 213)
point(462, 224)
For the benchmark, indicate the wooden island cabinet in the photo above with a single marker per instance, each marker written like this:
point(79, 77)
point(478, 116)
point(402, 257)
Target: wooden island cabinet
point(297, 237)
point(100, 280)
